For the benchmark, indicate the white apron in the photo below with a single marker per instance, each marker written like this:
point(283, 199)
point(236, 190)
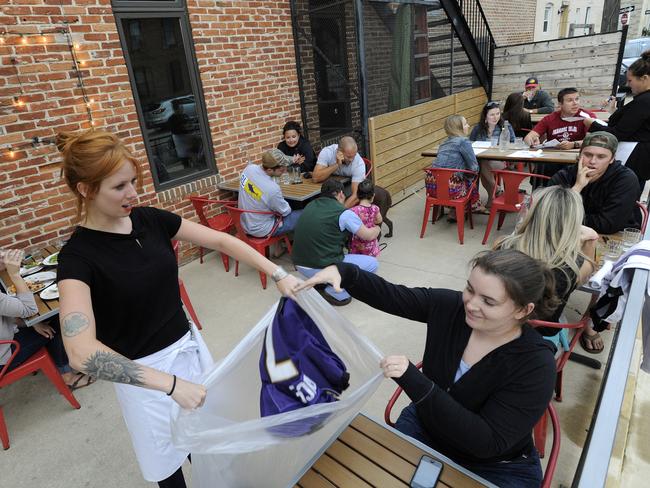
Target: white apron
point(147, 413)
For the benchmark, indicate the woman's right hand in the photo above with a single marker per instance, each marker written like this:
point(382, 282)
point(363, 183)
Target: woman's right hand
point(587, 234)
point(188, 395)
point(329, 275)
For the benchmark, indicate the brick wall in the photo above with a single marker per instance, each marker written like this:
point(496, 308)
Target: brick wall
point(246, 60)
point(511, 21)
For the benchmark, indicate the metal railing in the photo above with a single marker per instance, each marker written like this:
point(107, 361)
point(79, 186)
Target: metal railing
point(474, 32)
point(594, 461)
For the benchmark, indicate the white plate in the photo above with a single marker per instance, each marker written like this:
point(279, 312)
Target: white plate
point(41, 277)
point(51, 293)
point(33, 269)
point(51, 260)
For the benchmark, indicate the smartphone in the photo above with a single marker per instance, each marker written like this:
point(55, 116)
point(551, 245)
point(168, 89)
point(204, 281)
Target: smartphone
point(427, 473)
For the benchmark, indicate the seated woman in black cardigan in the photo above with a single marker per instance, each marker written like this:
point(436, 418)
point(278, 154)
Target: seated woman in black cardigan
point(487, 377)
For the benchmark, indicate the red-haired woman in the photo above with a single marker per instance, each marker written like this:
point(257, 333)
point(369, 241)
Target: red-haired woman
point(120, 308)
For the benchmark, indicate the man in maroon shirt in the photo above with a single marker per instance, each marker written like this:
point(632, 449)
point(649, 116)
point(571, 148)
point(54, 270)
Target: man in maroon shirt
point(565, 125)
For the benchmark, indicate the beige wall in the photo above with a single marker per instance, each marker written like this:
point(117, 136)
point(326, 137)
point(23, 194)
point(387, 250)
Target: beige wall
point(637, 19)
point(577, 12)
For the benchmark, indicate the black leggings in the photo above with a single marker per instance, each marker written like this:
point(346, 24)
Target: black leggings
point(176, 480)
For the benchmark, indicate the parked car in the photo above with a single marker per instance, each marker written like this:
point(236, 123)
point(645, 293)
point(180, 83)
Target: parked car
point(632, 52)
point(156, 114)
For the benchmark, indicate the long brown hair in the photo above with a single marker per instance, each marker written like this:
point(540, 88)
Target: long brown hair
point(513, 112)
point(525, 279)
point(91, 156)
point(641, 66)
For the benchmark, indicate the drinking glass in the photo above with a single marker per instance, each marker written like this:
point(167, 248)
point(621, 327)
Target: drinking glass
point(296, 175)
point(285, 179)
point(630, 237)
point(613, 250)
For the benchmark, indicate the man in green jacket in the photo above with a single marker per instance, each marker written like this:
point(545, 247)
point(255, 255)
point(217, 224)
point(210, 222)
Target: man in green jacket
point(323, 230)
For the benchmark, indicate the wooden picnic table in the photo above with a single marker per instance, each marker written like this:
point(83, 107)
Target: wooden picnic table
point(369, 454)
point(290, 191)
point(46, 308)
point(534, 118)
point(495, 154)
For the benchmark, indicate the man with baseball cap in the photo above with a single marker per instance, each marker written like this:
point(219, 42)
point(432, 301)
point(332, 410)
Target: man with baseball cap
point(258, 191)
point(537, 101)
point(608, 189)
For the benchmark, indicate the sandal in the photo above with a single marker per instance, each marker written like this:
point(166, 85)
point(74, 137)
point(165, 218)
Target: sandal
point(481, 211)
point(588, 340)
point(78, 382)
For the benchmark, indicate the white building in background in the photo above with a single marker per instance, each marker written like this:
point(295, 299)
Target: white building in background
point(555, 19)
point(638, 19)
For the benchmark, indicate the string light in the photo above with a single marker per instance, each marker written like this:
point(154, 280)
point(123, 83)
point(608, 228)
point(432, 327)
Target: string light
point(19, 102)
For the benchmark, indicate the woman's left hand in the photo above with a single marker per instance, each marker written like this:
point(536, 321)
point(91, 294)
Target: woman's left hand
point(394, 366)
point(587, 234)
point(287, 286)
point(45, 330)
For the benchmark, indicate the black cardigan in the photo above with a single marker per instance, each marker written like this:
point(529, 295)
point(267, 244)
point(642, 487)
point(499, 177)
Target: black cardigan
point(631, 123)
point(304, 148)
point(610, 201)
point(489, 413)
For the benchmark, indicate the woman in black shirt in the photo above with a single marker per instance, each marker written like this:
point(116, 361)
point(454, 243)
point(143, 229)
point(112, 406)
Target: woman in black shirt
point(294, 144)
point(631, 122)
point(487, 377)
point(121, 313)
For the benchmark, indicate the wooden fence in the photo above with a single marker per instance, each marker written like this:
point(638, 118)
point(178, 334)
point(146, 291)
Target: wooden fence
point(398, 138)
point(587, 63)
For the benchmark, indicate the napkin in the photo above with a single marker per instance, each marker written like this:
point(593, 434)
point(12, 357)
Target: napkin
point(596, 280)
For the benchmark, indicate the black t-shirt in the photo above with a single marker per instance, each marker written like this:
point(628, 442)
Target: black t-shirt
point(133, 280)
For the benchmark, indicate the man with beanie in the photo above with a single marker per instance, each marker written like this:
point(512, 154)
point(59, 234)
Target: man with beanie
point(258, 191)
point(322, 232)
point(537, 101)
point(608, 189)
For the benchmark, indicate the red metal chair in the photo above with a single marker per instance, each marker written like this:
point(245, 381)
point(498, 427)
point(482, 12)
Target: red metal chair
point(510, 200)
point(40, 360)
point(368, 164)
point(442, 199)
point(221, 221)
point(185, 298)
point(260, 244)
point(644, 215)
point(539, 432)
point(552, 413)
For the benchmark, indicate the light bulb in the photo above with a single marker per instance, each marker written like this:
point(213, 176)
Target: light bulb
point(11, 153)
point(23, 39)
point(76, 45)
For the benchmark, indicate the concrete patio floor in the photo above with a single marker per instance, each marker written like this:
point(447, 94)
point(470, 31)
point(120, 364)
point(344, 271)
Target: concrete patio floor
point(54, 446)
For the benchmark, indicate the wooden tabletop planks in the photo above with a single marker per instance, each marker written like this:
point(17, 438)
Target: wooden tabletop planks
point(299, 192)
point(368, 454)
point(562, 157)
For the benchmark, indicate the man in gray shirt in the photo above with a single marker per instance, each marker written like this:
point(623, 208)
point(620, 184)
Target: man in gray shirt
point(258, 191)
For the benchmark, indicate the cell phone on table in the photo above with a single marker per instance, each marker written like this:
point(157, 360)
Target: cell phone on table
point(427, 473)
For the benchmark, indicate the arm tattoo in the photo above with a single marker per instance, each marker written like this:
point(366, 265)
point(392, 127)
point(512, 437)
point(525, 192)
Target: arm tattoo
point(74, 323)
point(110, 366)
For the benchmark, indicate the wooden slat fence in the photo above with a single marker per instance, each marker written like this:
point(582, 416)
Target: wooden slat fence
point(398, 138)
point(587, 63)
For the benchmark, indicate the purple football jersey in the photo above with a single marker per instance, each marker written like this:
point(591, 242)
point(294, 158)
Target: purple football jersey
point(297, 366)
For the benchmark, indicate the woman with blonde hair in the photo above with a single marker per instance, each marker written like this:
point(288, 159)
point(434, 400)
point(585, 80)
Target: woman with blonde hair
point(456, 152)
point(552, 232)
point(121, 314)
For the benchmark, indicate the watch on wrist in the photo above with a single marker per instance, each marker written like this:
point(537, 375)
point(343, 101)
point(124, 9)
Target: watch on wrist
point(576, 145)
point(279, 274)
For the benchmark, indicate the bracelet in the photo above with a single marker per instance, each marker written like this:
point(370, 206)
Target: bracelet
point(173, 387)
point(279, 274)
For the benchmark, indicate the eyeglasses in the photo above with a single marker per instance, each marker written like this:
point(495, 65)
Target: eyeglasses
point(492, 105)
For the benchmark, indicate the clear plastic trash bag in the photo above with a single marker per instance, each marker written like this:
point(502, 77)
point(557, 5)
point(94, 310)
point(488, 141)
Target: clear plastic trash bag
point(232, 446)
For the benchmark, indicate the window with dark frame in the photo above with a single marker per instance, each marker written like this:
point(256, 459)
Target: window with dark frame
point(156, 41)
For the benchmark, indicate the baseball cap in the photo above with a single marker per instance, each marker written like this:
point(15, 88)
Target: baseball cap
point(532, 82)
point(272, 158)
point(601, 139)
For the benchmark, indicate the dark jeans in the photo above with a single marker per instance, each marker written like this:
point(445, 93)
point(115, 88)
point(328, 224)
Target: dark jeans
point(522, 472)
point(31, 341)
